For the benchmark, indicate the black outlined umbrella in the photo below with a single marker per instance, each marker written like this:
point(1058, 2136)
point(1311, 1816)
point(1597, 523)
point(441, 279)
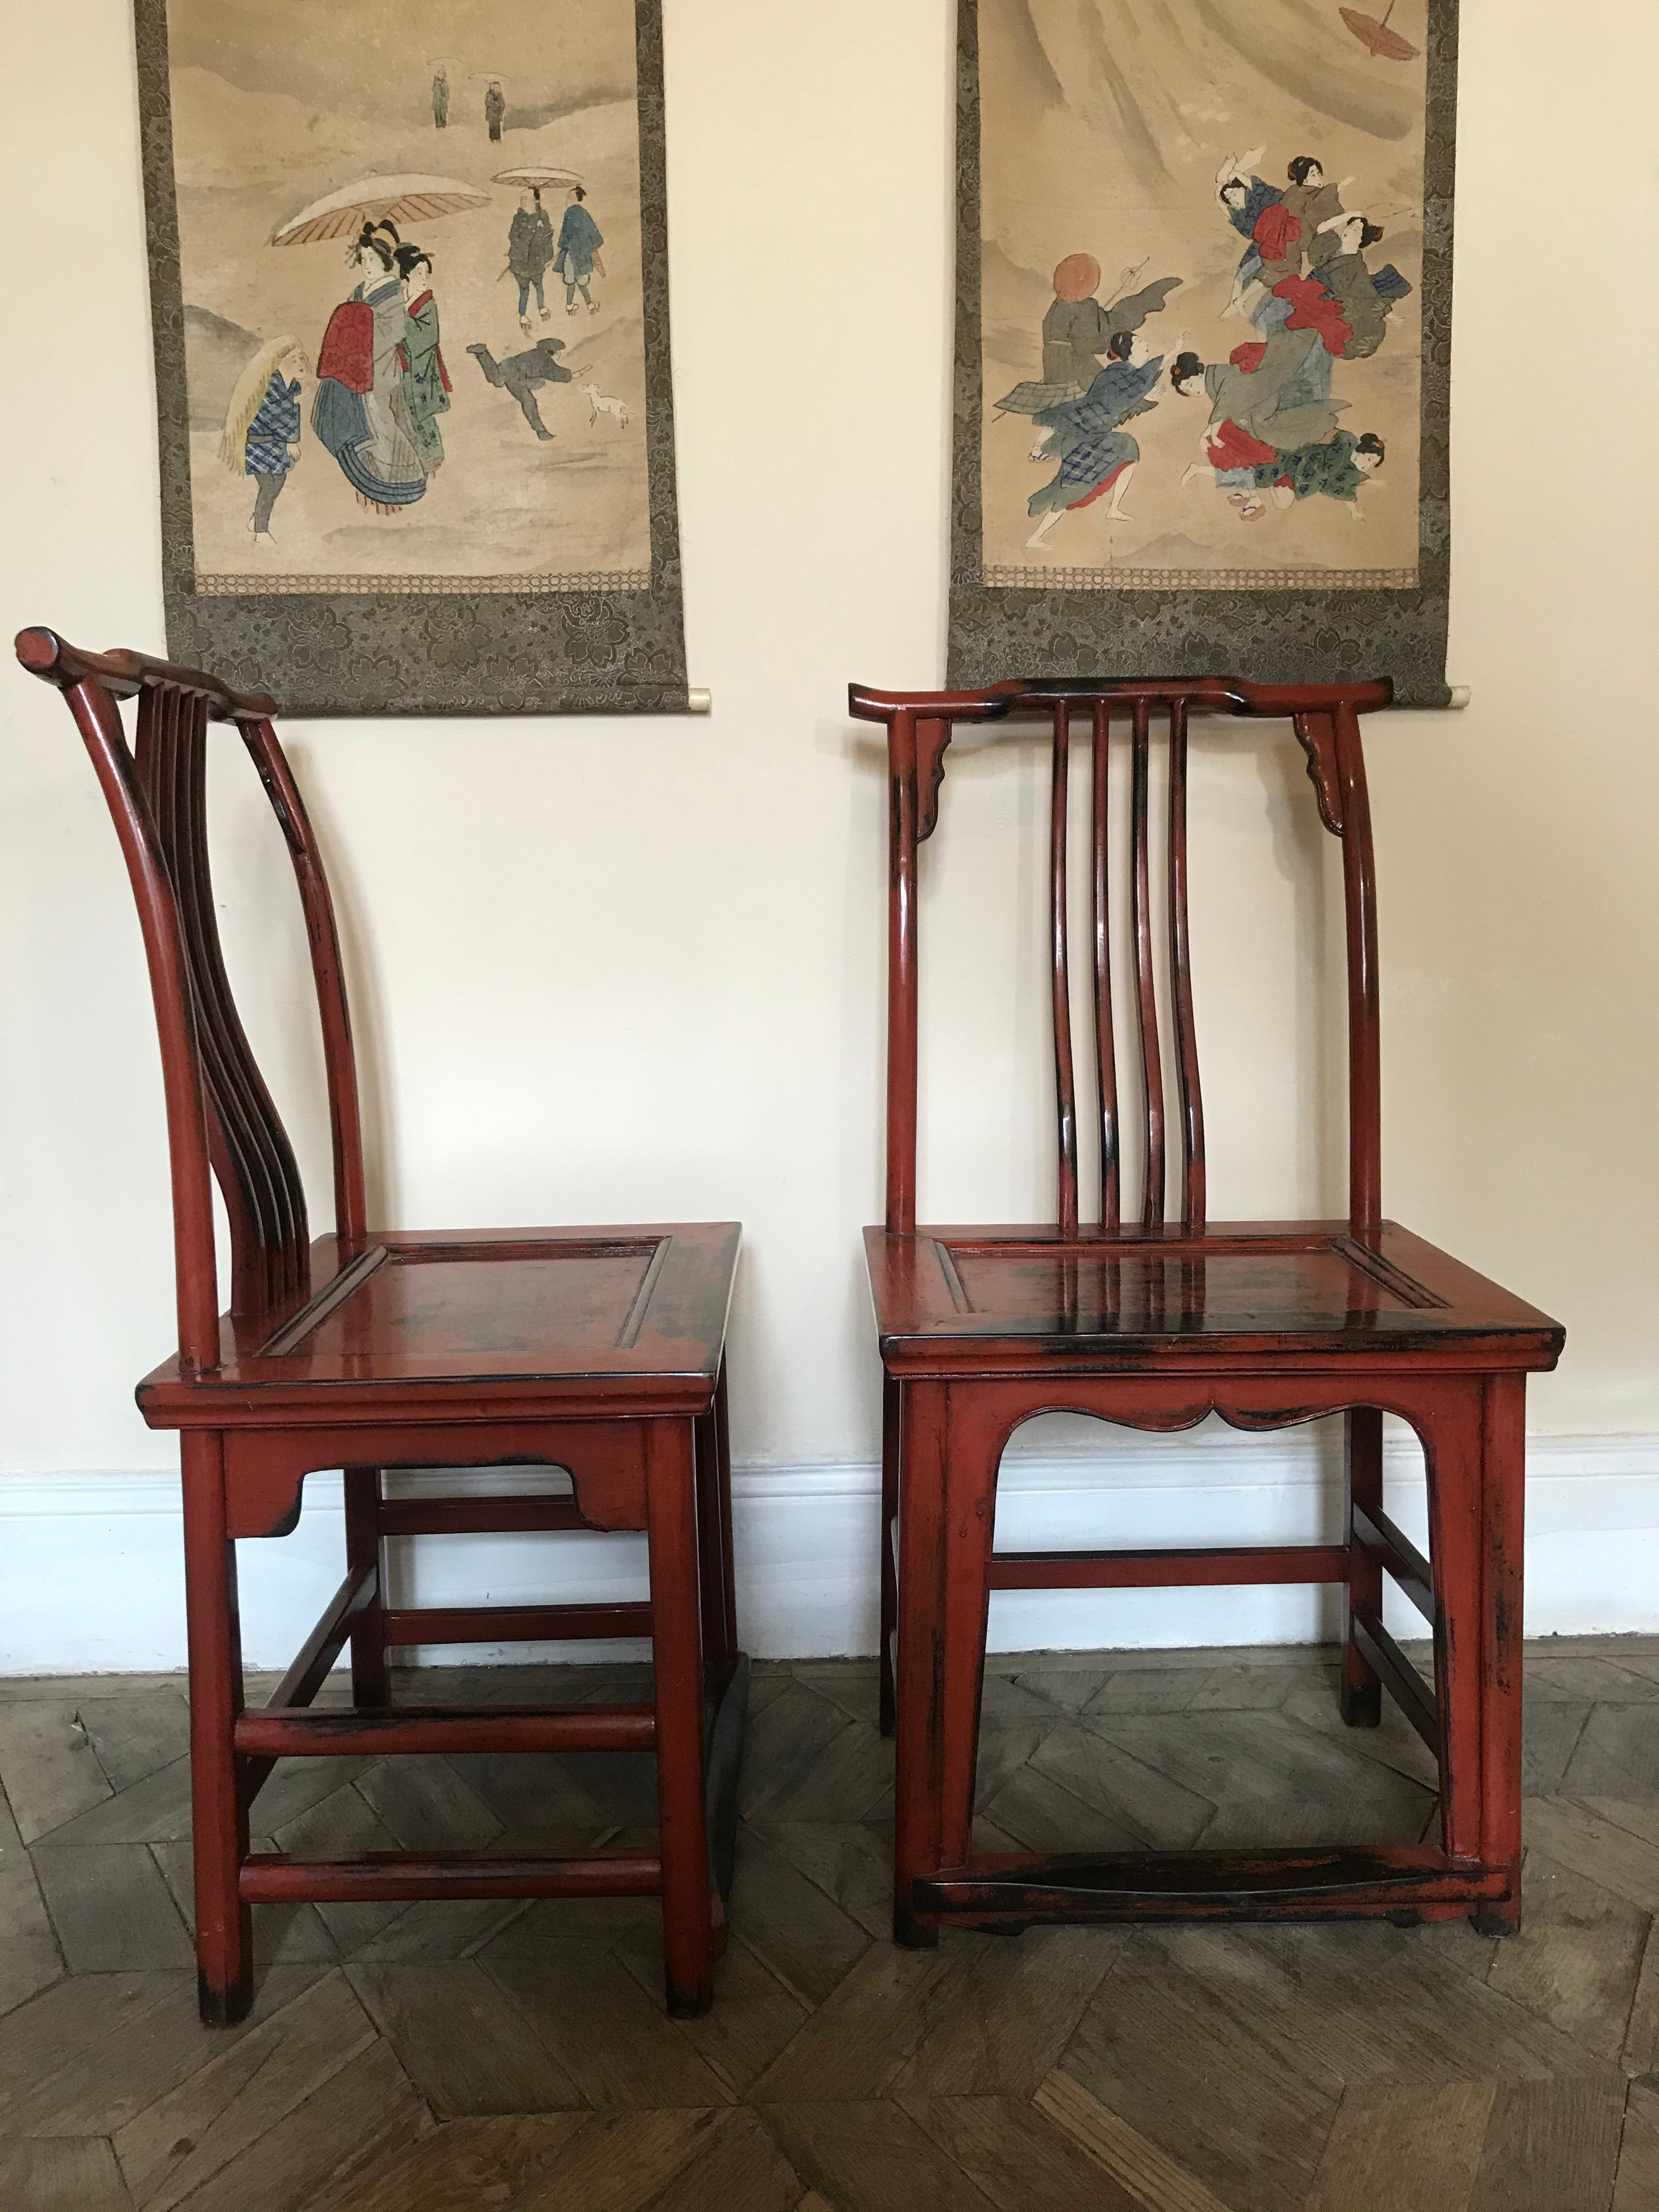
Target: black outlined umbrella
point(399, 199)
point(539, 177)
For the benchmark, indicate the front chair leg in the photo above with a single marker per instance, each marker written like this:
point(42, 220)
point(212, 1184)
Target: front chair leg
point(224, 1925)
point(892, 1402)
point(687, 1928)
point(1503, 1492)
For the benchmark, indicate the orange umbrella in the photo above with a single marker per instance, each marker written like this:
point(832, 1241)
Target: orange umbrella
point(1378, 37)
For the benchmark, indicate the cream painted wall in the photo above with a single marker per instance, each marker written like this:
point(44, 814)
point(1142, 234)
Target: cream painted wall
point(615, 970)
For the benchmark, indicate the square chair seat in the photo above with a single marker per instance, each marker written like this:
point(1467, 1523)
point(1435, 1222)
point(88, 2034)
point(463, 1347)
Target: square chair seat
point(1012, 1299)
point(576, 1318)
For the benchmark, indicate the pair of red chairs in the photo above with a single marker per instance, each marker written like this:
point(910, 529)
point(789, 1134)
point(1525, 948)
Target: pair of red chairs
point(602, 1351)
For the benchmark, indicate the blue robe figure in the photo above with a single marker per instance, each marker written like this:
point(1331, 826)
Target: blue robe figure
point(577, 254)
point(1258, 196)
point(1094, 448)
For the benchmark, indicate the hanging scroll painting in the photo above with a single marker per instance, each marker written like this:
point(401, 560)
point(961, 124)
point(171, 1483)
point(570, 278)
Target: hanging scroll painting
point(1204, 284)
point(409, 286)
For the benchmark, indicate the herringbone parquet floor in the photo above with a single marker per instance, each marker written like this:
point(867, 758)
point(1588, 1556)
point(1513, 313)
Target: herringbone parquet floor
point(515, 2059)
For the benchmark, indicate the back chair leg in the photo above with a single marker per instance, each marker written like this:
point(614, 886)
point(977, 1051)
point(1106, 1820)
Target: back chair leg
point(714, 1565)
point(362, 1530)
point(688, 1926)
point(224, 1925)
point(1362, 1691)
point(891, 1429)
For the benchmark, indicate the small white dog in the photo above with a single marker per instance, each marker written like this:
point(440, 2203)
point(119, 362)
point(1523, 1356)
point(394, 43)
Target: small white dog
point(601, 403)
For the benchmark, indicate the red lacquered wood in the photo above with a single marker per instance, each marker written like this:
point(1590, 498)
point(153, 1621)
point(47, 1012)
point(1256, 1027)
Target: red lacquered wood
point(1189, 1086)
point(592, 1349)
point(1100, 918)
point(1141, 892)
point(1167, 1570)
point(224, 1932)
point(345, 1733)
point(1503, 1493)
point(1362, 1437)
point(515, 1623)
point(901, 998)
point(676, 1649)
point(1060, 983)
point(1156, 1324)
point(1365, 1044)
point(275, 1878)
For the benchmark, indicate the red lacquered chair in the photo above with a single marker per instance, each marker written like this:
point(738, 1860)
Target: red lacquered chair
point(1155, 1322)
point(600, 1351)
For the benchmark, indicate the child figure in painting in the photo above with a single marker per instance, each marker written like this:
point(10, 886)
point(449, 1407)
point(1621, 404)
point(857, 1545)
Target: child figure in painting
point(578, 252)
point(261, 436)
point(1266, 399)
point(1339, 467)
point(1097, 454)
point(427, 386)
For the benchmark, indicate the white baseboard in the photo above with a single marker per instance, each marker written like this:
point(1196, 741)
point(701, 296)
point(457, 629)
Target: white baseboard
point(91, 1578)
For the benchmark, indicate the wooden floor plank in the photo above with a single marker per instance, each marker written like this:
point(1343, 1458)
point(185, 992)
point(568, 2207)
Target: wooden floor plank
point(1551, 2147)
point(860, 2038)
point(468, 2051)
point(427, 1806)
point(1104, 1764)
point(801, 1934)
point(1639, 2053)
point(303, 2163)
point(754, 2017)
point(182, 2140)
point(48, 1767)
point(334, 1827)
point(740, 2169)
point(1018, 2156)
point(283, 1935)
point(619, 2162)
point(93, 2052)
point(805, 1759)
point(617, 2043)
point(1404, 2150)
point(1002, 2011)
point(1042, 1814)
point(1605, 1850)
point(871, 2157)
point(1153, 2178)
point(29, 1958)
point(113, 1911)
point(1637, 2187)
point(850, 1861)
point(500, 2165)
point(71, 2173)
point(1577, 1957)
point(136, 1733)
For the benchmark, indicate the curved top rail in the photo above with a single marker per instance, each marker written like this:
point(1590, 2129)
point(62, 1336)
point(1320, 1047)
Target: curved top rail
point(1213, 693)
point(123, 675)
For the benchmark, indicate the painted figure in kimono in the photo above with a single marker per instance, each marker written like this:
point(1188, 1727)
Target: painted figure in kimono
point(1077, 331)
point(523, 374)
point(1097, 454)
point(577, 255)
point(440, 99)
point(495, 111)
point(1341, 297)
point(1338, 468)
point(1268, 399)
point(360, 414)
point(1244, 199)
point(426, 386)
point(529, 249)
point(1284, 233)
point(261, 436)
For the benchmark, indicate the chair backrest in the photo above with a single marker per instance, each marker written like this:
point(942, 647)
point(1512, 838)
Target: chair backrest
point(1326, 720)
point(220, 1114)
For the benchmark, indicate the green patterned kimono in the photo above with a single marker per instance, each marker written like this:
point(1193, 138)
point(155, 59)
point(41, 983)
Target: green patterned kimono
point(426, 380)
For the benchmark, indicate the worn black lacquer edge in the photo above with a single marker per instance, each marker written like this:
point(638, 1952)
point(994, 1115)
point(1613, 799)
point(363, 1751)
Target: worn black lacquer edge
point(448, 652)
point(1279, 637)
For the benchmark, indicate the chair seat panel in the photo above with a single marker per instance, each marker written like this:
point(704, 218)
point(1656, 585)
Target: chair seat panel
point(402, 1315)
point(1306, 1285)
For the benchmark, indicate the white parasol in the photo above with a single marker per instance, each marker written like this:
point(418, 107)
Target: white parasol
point(400, 200)
point(538, 177)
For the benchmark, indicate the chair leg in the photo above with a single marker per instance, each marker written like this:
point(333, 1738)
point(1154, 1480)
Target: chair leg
point(688, 1930)
point(949, 1458)
point(719, 1595)
point(362, 1530)
point(1503, 1490)
point(1361, 1690)
point(1452, 1446)
point(891, 1422)
point(224, 1925)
